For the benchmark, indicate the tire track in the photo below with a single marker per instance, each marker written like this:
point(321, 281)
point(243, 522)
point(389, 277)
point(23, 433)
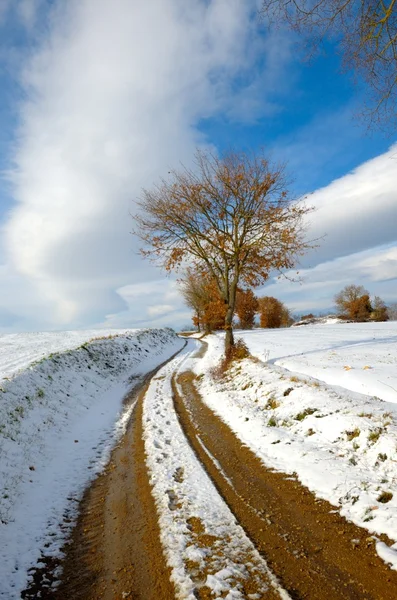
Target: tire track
point(208, 552)
point(314, 552)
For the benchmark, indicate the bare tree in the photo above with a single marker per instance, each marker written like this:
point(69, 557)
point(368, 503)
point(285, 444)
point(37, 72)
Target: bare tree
point(194, 293)
point(231, 217)
point(379, 310)
point(392, 311)
point(366, 33)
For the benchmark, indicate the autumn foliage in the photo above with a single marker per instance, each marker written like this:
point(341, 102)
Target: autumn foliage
point(354, 303)
point(273, 313)
point(246, 308)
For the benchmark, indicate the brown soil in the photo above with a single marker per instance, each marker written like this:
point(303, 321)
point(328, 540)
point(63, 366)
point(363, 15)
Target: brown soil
point(115, 551)
point(315, 552)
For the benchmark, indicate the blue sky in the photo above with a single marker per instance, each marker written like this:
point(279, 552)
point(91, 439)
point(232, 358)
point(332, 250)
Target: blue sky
point(99, 99)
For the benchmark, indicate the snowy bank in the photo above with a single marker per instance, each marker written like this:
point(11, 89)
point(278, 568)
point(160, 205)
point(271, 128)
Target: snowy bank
point(58, 422)
point(340, 444)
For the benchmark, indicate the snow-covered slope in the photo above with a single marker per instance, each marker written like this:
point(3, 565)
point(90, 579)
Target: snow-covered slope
point(340, 443)
point(19, 350)
point(58, 422)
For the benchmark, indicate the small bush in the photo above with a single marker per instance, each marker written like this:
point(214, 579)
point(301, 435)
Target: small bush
point(40, 393)
point(305, 413)
point(235, 353)
point(352, 434)
point(272, 422)
point(272, 403)
point(374, 435)
point(385, 497)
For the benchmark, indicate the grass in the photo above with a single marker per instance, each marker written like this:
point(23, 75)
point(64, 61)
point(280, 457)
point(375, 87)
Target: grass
point(350, 435)
point(375, 435)
point(272, 403)
point(301, 416)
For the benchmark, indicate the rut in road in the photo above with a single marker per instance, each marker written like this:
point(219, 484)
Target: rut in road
point(314, 552)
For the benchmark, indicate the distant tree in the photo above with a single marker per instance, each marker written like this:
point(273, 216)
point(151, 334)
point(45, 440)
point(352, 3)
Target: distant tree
point(286, 317)
point(201, 293)
point(308, 316)
point(360, 309)
point(231, 216)
point(353, 302)
point(273, 313)
point(214, 310)
point(379, 310)
point(366, 33)
point(392, 311)
point(246, 308)
point(193, 292)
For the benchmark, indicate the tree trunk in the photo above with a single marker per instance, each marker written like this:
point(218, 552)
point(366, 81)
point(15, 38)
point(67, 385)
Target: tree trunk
point(229, 339)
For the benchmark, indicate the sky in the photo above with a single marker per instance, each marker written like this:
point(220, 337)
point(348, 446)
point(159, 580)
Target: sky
point(100, 99)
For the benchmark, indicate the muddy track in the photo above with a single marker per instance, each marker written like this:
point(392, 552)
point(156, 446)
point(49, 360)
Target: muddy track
point(315, 553)
point(115, 550)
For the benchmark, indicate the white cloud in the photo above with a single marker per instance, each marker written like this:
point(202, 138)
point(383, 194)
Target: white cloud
point(357, 211)
point(158, 310)
point(375, 268)
point(113, 96)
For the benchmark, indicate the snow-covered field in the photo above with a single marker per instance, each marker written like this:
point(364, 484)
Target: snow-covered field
point(58, 421)
point(19, 350)
point(361, 357)
point(323, 408)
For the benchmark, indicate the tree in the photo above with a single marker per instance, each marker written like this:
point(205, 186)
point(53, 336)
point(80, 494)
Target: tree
point(353, 303)
point(361, 309)
point(214, 310)
point(193, 292)
point(231, 217)
point(200, 293)
point(366, 34)
point(246, 308)
point(379, 310)
point(273, 313)
point(392, 311)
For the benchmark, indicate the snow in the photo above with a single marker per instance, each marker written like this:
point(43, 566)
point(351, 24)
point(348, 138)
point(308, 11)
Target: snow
point(59, 421)
point(320, 410)
point(19, 350)
point(184, 494)
point(358, 357)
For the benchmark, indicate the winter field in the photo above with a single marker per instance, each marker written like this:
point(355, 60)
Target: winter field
point(316, 402)
point(59, 419)
point(323, 407)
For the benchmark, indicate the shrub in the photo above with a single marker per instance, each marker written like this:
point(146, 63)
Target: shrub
point(234, 353)
point(305, 413)
point(385, 497)
point(352, 434)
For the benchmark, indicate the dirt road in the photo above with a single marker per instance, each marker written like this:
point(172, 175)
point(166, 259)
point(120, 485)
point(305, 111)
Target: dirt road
point(290, 545)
